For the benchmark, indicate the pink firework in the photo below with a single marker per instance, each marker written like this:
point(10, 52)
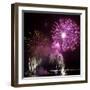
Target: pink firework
point(66, 32)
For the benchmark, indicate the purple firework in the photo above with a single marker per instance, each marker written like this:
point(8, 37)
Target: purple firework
point(65, 34)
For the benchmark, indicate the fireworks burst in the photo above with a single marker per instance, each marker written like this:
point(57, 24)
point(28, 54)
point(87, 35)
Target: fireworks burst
point(66, 33)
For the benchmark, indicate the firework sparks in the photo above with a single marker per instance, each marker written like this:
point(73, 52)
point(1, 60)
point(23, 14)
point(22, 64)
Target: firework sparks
point(67, 33)
point(63, 35)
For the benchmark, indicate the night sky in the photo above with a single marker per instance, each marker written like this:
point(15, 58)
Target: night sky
point(43, 22)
